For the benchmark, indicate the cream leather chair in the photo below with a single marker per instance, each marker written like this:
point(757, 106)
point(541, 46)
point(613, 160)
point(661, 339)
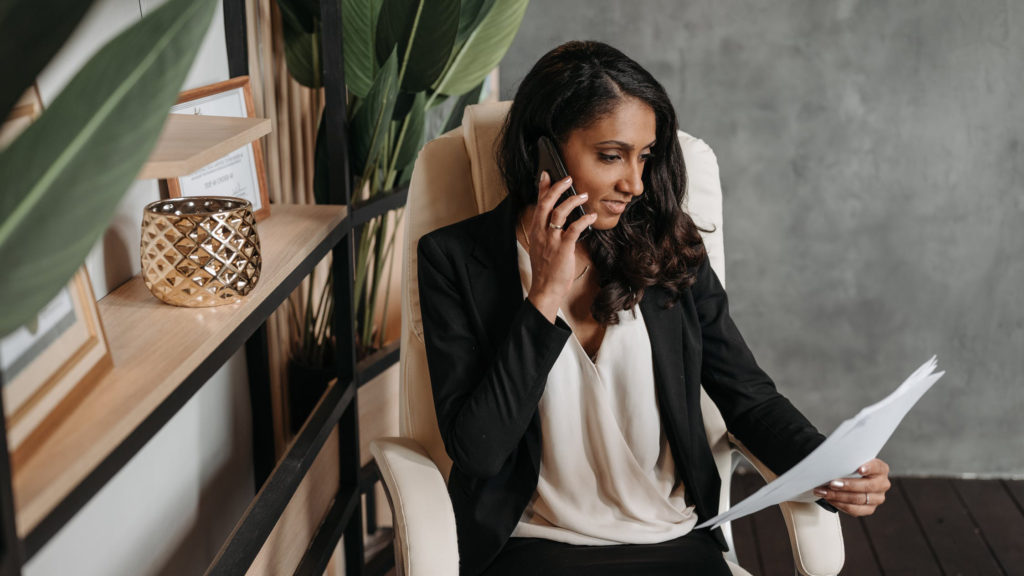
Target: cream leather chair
point(456, 177)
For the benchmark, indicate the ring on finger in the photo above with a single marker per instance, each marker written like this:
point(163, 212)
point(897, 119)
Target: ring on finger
point(867, 499)
point(554, 226)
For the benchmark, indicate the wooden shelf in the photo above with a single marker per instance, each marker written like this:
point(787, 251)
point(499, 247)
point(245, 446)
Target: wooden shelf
point(189, 142)
point(162, 355)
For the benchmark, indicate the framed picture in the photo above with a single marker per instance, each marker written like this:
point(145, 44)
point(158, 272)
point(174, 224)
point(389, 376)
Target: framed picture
point(48, 363)
point(240, 174)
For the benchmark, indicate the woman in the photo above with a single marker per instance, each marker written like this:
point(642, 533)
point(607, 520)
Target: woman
point(566, 362)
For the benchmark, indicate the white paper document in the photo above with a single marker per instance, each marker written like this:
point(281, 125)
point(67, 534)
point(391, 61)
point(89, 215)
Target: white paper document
point(853, 443)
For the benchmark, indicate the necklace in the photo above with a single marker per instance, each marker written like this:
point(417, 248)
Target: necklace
point(527, 237)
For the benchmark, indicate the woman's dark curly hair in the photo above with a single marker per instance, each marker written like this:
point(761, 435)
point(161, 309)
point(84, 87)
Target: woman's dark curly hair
point(655, 242)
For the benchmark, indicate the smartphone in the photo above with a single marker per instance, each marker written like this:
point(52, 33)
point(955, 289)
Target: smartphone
point(549, 160)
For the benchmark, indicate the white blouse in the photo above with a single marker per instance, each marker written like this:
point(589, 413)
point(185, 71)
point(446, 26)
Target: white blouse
point(606, 474)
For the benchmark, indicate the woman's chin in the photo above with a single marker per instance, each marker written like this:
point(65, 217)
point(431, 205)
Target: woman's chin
point(605, 222)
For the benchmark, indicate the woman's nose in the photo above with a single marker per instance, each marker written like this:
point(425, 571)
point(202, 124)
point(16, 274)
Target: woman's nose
point(632, 181)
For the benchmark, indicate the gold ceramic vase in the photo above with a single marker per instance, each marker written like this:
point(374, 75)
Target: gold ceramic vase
point(201, 251)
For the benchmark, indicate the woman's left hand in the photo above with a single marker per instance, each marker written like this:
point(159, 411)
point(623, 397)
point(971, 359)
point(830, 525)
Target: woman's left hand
point(859, 496)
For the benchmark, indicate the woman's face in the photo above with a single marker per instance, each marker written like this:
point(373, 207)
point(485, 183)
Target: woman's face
point(606, 159)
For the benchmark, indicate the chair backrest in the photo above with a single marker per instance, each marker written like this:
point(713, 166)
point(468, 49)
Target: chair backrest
point(456, 176)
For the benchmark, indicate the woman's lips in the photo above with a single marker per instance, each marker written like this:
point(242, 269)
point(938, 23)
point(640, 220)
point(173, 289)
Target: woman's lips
point(614, 207)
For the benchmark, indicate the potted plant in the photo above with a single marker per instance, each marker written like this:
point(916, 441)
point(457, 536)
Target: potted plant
point(403, 60)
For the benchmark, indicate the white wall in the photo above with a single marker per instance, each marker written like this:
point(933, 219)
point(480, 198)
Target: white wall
point(171, 507)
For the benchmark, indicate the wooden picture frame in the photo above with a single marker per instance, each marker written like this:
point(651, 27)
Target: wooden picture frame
point(242, 173)
point(49, 364)
point(46, 365)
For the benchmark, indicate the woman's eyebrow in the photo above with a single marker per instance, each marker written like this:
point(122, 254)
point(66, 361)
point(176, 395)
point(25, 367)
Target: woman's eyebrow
point(621, 144)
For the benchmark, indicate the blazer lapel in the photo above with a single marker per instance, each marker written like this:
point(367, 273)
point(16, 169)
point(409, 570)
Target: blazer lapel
point(498, 292)
point(664, 328)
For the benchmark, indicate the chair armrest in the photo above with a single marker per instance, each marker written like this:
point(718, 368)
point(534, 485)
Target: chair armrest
point(424, 523)
point(814, 533)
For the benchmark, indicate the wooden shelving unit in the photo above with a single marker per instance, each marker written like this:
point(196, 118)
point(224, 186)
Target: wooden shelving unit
point(188, 143)
point(162, 355)
point(157, 350)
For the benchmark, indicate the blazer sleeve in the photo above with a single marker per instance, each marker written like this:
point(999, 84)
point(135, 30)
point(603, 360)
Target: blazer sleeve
point(764, 420)
point(484, 396)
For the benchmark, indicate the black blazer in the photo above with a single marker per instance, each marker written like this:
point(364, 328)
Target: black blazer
point(489, 352)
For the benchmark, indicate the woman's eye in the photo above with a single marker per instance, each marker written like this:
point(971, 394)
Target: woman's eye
point(609, 157)
point(646, 157)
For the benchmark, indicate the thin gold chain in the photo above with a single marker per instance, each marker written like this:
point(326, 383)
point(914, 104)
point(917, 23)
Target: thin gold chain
point(527, 237)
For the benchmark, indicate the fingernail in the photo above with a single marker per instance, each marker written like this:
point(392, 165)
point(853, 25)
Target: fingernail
point(820, 491)
point(863, 469)
point(584, 196)
point(568, 179)
point(837, 483)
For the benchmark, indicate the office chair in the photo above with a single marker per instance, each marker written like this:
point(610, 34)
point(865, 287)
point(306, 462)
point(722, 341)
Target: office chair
point(456, 177)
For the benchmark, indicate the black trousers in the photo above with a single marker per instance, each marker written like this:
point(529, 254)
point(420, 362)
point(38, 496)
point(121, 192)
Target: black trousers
point(695, 553)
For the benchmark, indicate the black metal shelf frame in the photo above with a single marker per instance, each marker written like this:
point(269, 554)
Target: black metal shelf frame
point(156, 420)
point(338, 408)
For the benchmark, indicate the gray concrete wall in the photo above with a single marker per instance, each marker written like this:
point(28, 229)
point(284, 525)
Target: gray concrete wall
point(871, 156)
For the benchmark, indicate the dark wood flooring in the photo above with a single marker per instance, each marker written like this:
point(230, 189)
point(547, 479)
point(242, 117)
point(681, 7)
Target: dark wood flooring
point(927, 527)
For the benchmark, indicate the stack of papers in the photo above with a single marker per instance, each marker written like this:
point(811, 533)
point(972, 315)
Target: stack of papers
point(853, 443)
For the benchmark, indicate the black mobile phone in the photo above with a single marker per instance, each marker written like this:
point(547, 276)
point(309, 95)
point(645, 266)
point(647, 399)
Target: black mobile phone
point(549, 160)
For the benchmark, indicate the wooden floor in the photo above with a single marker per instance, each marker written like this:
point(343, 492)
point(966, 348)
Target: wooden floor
point(928, 526)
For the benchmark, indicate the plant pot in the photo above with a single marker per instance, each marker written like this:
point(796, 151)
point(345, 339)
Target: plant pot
point(306, 384)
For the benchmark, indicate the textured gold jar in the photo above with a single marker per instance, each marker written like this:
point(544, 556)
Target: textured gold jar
point(201, 251)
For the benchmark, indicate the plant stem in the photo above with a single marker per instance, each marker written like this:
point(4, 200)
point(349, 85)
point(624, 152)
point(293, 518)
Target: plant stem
point(391, 168)
point(361, 260)
point(322, 320)
point(408, 47)
point(315, 37)
point(447, 74)
point(372, 283)
point(390, 254)
point(306, 334)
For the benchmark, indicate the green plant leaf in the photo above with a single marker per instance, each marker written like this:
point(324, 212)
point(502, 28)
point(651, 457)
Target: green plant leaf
point(300, 26)
point(403, 105)
point(65, 175)
point(467, 99)
point(321, 190)
point(484, 48)
point(412, 140)
point(429, 26)
point(372, 117)
point(405, 176)
point(302, 13)
point(31, 32)
point(359, 21)
point(470, 15)
point(435, 99)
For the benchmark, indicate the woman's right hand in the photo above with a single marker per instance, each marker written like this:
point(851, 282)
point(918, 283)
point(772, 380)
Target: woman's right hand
point(553, 250)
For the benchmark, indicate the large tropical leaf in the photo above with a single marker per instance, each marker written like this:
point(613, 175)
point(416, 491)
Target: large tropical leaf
point(467, 99)
point(359, 21)
point(31, 32)
point(412, 139)
point(321, 190)
point(63, 178)
point(300, 26)
point(403, 105)
point(429, 26)
point(483, 49)
point(372, 116)
point(470, 15)
point(304, 10)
